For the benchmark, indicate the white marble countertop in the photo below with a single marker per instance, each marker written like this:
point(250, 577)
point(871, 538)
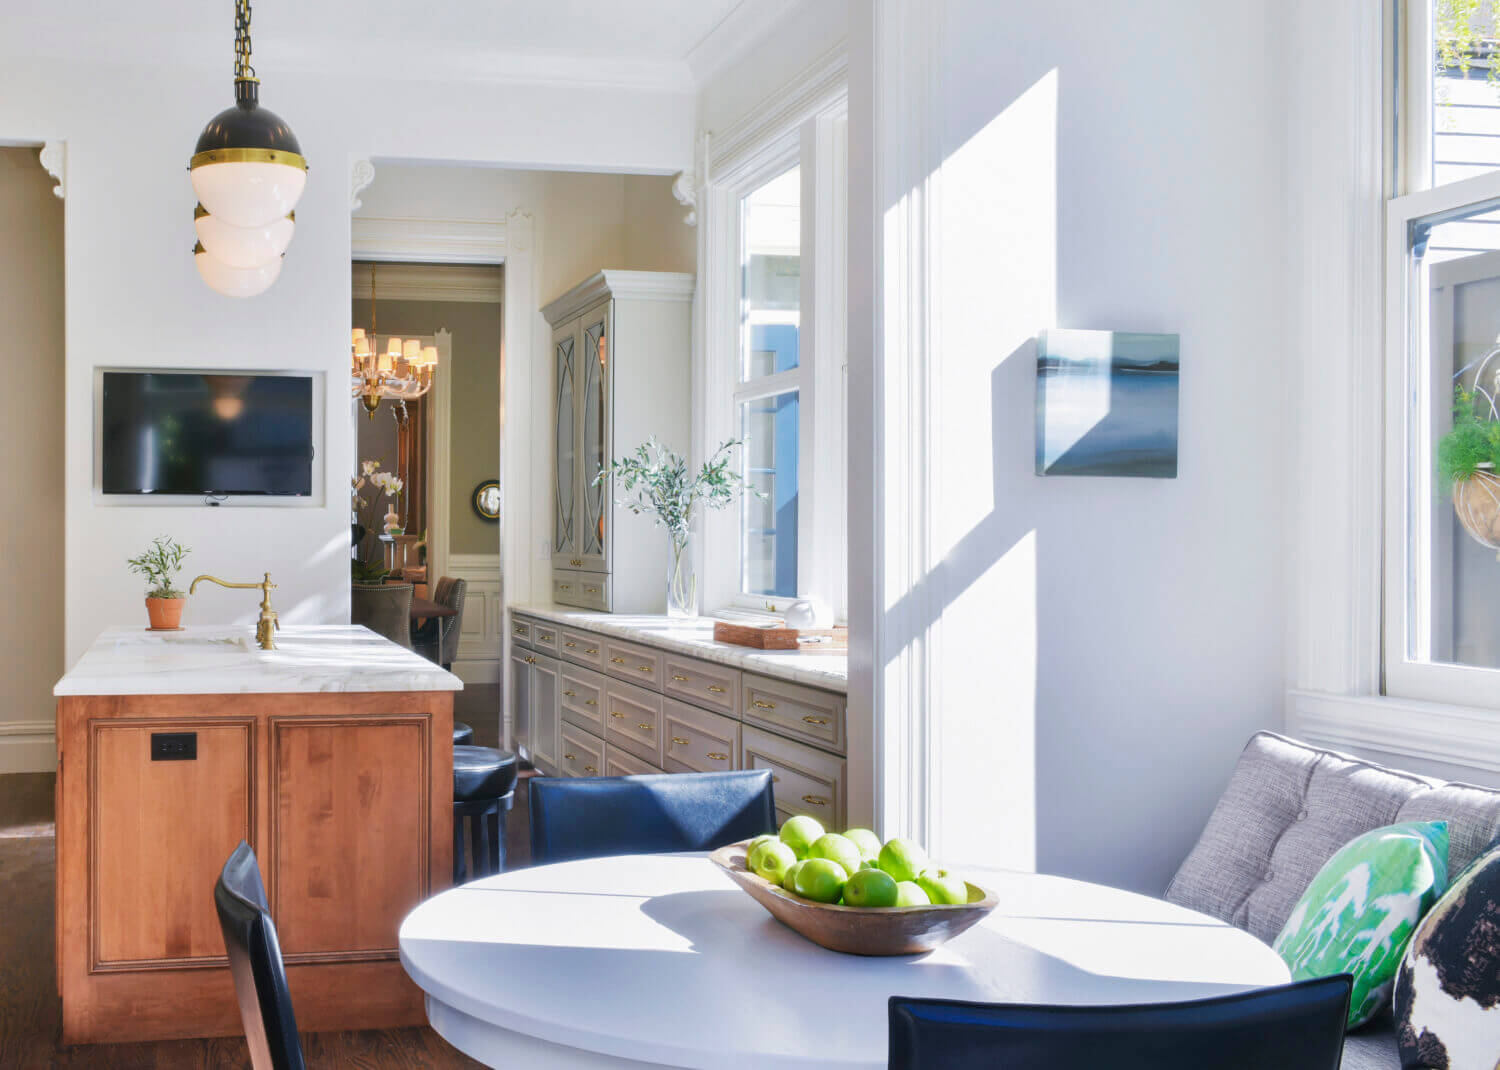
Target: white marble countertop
point(226, 661)
point(695, 636)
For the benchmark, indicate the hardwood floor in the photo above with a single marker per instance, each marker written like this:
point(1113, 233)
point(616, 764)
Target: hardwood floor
point(31, 1015)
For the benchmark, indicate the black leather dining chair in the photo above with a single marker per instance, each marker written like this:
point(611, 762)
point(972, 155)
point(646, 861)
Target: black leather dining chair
point(1291, 1027)
point(255, 963)
point(589, 817)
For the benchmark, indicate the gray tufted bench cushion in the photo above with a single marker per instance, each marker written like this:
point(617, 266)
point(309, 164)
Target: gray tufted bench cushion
point(1287, 809)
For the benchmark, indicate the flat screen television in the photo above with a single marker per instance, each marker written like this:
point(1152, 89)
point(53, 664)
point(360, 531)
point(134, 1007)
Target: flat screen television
point(196, 433)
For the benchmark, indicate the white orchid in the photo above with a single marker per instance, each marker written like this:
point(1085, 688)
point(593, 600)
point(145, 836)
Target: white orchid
point(368, 468)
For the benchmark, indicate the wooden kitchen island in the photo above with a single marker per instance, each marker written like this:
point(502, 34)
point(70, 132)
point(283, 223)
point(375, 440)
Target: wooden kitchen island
point(332, 755)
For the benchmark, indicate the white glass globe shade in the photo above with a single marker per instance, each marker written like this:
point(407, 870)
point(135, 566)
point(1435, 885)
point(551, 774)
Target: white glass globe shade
point(250, 194)
point(244, 247)
point(234, 281)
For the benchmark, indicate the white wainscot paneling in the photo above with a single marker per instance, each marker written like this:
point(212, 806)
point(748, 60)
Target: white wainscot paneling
point(481, 635)
point(27, 747)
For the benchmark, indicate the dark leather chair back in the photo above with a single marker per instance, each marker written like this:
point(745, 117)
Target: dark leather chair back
point(384, 608)
point(1292, 1027)
point(590, 817)
point(450, 592)
point(255, 963)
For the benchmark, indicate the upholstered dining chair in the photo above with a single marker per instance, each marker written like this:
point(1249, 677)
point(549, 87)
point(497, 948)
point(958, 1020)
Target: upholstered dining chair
point(384, 608)
point(588, 817)
point(437, 640)
point(1290, 1027)
point(255, 963)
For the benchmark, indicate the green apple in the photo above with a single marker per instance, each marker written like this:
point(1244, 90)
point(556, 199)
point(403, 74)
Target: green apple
point(867, 842)
point(821, 880)
point(871, 888)
point(789, 879)
point(870, 863)
point(903, 859)
point(942, 887)
point(837, 849)
point(910, 894)
point(800, 832)
point(771, 860)
point(753, 844)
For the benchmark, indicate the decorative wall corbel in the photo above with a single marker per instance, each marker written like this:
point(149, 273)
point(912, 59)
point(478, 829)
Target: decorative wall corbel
point(360, 177)
point(54, 158)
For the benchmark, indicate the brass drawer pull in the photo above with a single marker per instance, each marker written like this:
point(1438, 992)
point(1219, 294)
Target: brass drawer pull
point(592, 650)
point(810, 719)
point(679, 679)
point(644, 727)
point(617, 713)
point(530, 660)
point(571, 645)
point(575, 562)
point(617, 661)
point(716, 689)
point(591, 590)
point(590, 702)
point(564, 587)
point(815, 800)
point(764, 705)
point(589, 769)
point(545, 637)
point(680, 741)
point(775, 779)
point(716, 756)
point(570, 694)
point(569, 757)
point(519, 629)
point(644, 668)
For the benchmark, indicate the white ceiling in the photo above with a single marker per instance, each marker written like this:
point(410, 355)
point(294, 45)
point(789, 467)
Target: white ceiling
point(647, 43)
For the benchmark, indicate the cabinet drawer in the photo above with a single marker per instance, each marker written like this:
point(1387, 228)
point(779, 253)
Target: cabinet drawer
point(582, 698)
point(805, 780)
point(638, 664)
point(544, 638)
point(696, 740)
point(586, 590)
point(583, 647)
point(714, 687)
point(582, 752)
point(634, 721)
point(520, 631)
point(804, 713)
point(619, 762)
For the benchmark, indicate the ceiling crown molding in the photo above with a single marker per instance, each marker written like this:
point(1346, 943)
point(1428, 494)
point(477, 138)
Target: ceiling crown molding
point(821, 88)
point(54, 158)
point(478, 283)
point(456, 241)
point(736, 34)
point(361, 174)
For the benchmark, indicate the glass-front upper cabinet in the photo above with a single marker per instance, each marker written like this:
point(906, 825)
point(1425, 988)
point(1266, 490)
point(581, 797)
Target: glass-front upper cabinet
point(593, 421)
point(565, 490)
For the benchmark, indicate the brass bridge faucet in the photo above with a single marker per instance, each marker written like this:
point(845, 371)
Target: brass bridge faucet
point(267, 624)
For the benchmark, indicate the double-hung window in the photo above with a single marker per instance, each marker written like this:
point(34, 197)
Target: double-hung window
point(1442, 576)
point(774, 362)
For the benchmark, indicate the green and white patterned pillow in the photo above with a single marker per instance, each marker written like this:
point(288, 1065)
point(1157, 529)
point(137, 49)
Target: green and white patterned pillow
point(1360, 910)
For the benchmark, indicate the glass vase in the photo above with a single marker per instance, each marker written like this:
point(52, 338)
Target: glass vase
point(682, 581)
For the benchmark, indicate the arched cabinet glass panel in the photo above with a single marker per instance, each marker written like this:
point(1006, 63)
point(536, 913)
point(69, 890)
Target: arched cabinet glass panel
point(565, 534)
point(595, 426)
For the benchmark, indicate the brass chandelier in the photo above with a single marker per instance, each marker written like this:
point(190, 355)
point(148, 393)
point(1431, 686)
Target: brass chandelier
point(403, 370)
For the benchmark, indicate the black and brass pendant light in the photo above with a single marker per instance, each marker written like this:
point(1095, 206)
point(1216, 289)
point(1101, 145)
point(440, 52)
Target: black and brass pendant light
point(248, 173)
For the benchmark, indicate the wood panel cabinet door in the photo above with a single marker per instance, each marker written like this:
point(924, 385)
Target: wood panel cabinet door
point(518, 689)
point(351, 819)
point(543, 689)
point(595, 426)
point(566, 496)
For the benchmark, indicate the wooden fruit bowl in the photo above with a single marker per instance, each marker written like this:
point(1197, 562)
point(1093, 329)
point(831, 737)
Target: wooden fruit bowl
point(857, 930)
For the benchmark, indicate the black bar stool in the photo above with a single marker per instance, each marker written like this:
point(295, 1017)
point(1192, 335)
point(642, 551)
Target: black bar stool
point(463, 735)
point(484, 782)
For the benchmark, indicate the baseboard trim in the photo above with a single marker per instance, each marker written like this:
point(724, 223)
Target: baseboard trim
point(28, 746)
point(478, 672)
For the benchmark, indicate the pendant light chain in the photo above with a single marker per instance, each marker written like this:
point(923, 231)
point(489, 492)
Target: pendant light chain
point(242, 69)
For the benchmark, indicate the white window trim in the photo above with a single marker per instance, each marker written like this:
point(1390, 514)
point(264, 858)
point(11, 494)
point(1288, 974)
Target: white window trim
point(805, 124)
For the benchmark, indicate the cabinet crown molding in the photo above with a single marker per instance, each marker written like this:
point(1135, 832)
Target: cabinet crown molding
point(640, 285)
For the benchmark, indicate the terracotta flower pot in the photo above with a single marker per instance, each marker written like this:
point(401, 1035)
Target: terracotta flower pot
point(165, 613)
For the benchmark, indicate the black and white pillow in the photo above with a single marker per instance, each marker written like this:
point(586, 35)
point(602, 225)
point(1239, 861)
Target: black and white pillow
point(1447, 998)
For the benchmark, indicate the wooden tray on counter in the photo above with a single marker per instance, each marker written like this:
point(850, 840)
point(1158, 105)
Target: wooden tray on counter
point(779, 637)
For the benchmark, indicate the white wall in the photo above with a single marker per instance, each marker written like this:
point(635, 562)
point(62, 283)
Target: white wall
point(133, 296)
point(1096, 651)
point(31, 442)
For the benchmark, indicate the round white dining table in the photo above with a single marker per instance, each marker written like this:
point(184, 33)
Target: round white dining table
point(660, 960)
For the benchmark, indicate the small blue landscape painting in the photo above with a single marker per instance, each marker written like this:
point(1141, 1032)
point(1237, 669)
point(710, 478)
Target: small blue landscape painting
point(1106, 404)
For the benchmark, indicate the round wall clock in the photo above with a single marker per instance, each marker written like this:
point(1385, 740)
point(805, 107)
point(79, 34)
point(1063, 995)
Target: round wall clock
point(486, 500)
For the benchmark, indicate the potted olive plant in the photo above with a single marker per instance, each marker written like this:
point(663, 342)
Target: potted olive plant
point(1468, 461)
point(657, 480)
point(160, 564)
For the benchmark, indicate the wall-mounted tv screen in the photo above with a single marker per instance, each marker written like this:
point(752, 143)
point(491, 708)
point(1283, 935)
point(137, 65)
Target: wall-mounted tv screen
point(200, 434)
